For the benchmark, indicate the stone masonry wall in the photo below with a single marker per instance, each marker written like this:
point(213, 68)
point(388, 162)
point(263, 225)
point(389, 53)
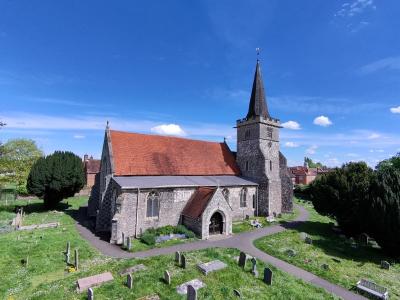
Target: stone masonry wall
point(287, 185)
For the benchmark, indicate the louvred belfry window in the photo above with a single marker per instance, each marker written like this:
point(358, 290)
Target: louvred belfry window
point(153, 204)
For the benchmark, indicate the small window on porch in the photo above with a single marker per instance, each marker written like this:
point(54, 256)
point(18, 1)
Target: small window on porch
point(243, 197)
point(153, 204)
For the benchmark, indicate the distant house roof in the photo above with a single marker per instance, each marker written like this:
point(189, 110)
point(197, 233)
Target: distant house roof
point(300, 170)
point(144, 182)
point(198, 202)
point(143, 154)
point(92, 166)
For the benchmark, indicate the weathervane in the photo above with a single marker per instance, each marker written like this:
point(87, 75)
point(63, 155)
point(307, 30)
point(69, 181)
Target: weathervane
point(258, 50)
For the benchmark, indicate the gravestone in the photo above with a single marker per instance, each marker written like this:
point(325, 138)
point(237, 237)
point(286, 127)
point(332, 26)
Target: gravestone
point(178, 258)
point(133, 269)
point(129, 243)
point(364, 239)
point(76, 260)
point(308, 240)
point(183, 261)
point(247, 217)
point(385, 265)
point(68, 247)
point(254, 267)
point(242, 260)
point(236, 293)
point(191, 293)
point(123, 239)
point(303, 236)
point(90, 294)
point(268, 276)
point(196, 283)
point(68, 253)
point(91, 281)
point(291, 252)
point(129, 281)
point(325, 267)
point(167, 277)
point(211, 266)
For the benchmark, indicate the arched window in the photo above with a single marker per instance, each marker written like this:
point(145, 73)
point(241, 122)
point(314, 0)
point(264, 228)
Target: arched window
point(153, 204)
point(225, 193)
point(247, 165)
point(247, 134)
point(243, 197)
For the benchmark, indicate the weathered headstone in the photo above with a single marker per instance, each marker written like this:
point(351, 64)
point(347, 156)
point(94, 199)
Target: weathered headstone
point(178, 258)
point(76, 260)
point(254, 267)
point(129, 281)
point(128, 243)
point(196, 283)
point(268, 276)
point(90, 294)
point(68, 253)
point(237, 294)
point(364, 239)
point(183, 261)
point(84, 283)
point(242, 260)
point(211, 266)
point(385, 265)
point(68, 250)
point(308, 240)
point(135, 268)
point(303, 236)
point(191, 293)
point(167, 277)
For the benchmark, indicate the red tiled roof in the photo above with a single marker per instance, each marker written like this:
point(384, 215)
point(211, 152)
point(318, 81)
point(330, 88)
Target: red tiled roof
point(144, 154)
point(198, 202)
point(92, 166)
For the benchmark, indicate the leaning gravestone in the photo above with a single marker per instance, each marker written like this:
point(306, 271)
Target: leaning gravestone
point(183, 261)
point(129, 281)
point(167, 277)
point(178, 258)
point(242, 260)
point(268, 276)
point(211, 266)
point(237, 294)
point(90, 294)
point(191, 293)
point(385, 265)
point(254, 267)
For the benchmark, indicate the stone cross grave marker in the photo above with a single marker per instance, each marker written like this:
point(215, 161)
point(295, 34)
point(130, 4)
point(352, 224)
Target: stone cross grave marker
point(76, 259)
point(242, 260)
point(254, 267)
point(268, 276)
point(236, 293)
point(178, 258)
point(90, 294)
point(183, 261)
point(167, 277)
point(191, 293)
point(129, 243)
point(129, 281)
point(385, 265)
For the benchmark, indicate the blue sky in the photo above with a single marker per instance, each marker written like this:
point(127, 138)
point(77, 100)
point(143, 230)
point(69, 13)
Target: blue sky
point(331, 71)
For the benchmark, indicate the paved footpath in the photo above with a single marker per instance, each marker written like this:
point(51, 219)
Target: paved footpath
point(243, 242)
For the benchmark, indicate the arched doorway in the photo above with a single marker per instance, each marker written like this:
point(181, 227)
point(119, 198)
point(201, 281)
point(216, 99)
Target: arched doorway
point(216, 224)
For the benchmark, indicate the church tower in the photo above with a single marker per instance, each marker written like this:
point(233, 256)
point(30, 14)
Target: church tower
point(258, 153)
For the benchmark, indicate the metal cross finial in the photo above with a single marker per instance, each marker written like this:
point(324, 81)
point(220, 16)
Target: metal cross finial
point(107, 124)
point(258, 50)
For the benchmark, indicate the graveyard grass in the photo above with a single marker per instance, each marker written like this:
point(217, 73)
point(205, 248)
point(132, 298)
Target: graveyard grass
point(46, 277)
point(355, 264)
point(244, 226)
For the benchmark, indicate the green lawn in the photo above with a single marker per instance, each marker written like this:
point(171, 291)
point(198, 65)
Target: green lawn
point(347, 265)
point(46, 276)
point(244, 226)
point(138, 245)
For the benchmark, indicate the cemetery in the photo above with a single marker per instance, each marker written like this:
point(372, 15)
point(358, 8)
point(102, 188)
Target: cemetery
point(52, 263)
point(318, 247)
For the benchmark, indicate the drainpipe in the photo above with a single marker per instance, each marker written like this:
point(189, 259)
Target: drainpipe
point(137, 211)
point(257, 201)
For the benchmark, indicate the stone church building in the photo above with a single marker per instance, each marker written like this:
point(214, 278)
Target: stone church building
point(150, 181)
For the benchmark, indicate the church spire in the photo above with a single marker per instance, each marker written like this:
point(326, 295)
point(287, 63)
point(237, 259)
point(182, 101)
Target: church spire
point(258, 104)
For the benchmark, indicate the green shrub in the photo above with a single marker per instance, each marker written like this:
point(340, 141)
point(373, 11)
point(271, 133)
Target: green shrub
point(183, 230)
point(165, 230)
point(148, 238)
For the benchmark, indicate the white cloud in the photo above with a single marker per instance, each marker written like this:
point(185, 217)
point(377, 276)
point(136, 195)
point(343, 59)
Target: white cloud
point(389, 63)
point(291, 125)
point(311, 150)
point(352, 155)
point(395, 110)
point(373, 136)
point(168, 129)
point(376, 150)
point(322, 121)
point(354, 8)
point(79, 136)
point(291, 145)
point(333, 162)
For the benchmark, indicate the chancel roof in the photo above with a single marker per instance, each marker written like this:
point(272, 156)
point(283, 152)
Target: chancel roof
point(137, 154)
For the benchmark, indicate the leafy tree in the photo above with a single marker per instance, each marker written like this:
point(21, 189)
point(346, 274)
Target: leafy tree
point(384, 216)
point(56, 177)
point(312, 164)
point(343, 194)
point(16, 159)
point(393, 161)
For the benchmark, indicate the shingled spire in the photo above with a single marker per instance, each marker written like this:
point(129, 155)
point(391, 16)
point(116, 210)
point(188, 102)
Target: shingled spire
point(258, 105)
